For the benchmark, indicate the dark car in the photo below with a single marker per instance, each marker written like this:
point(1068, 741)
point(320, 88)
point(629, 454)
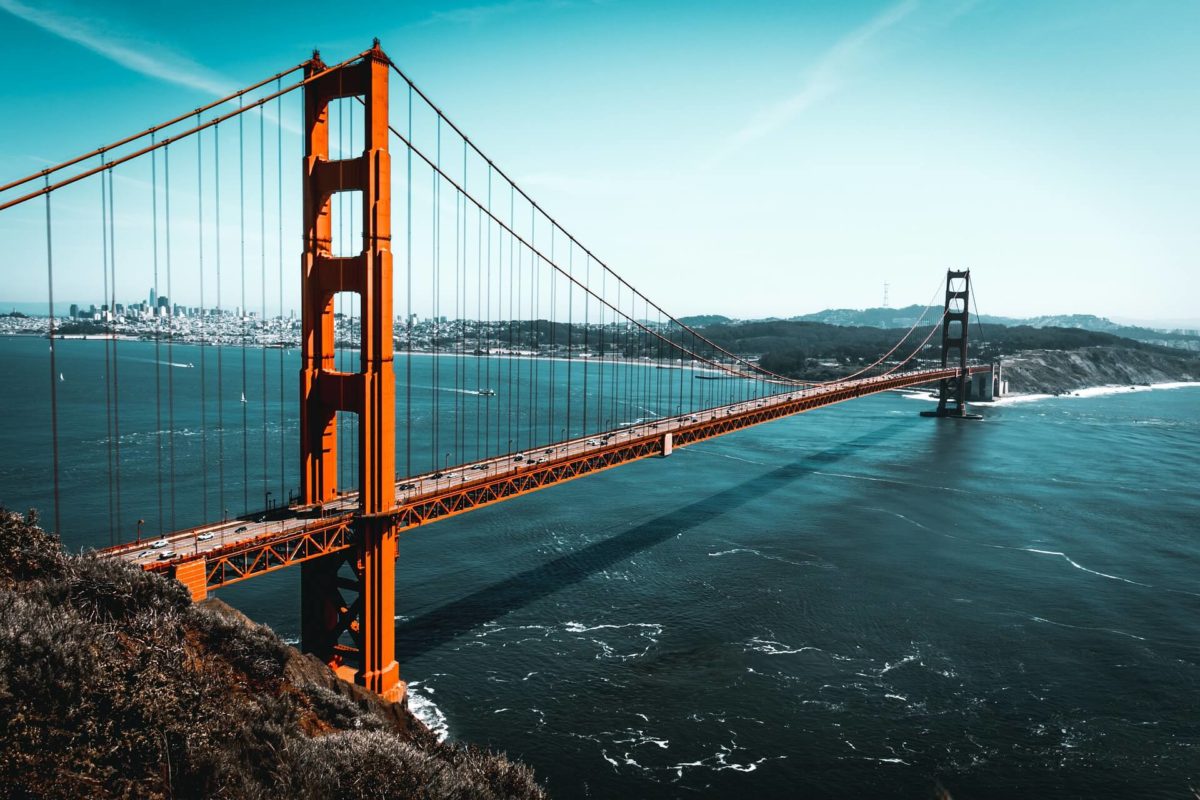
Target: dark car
point(518, 457)
point(405, 487)
point(239, 530)
point(438, 475)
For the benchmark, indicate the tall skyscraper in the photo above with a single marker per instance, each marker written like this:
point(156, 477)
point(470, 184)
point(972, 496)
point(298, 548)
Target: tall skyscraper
point(153, 298)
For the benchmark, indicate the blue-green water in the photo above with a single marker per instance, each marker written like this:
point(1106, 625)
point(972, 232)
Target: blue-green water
point(853, 602)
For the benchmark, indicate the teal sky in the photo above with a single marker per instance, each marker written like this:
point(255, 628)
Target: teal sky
point(746, 158)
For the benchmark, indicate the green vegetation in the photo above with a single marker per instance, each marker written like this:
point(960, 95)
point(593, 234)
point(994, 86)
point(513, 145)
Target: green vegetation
point(113, 684)
point(798, 348)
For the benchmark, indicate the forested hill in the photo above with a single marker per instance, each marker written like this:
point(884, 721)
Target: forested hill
point(808, 349)
point(903, 317)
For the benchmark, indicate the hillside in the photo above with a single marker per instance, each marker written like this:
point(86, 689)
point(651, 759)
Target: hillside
point(113, 684)
point(906, 316)
point(1060, 371)
point(820, 351)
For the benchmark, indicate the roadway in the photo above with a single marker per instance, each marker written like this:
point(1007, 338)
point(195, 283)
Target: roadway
point(187, 544)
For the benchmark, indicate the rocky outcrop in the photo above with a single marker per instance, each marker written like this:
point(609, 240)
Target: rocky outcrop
point(1060, 371)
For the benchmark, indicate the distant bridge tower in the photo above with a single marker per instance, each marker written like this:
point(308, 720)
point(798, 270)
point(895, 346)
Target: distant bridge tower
point(348, 619)
point(955, 323)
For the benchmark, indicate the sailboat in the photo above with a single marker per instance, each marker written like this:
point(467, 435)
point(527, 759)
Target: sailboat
point(243, 397)
point(61, 378)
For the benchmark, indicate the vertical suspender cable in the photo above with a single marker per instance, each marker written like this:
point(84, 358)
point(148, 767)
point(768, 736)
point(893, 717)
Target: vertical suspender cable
point(355, 421)
point(491, 451)
point(600, 356)
point(107, 347)
point(157, 337)
point(534, 336)
point(691, 389)
point(437, 320)
point(479, 330)
point(618, 365)
point(170, 328)
point(408, 320)
point(203, 322)
point(220, 312)
point(553, 350)
point(242, 259)
point(112, 262)
point(509, 383)
point(587, 326)
point(570, 332)
point(457, 317)
point(283, 339)
point(53, 363)
point(339, 317)
point(262, 251)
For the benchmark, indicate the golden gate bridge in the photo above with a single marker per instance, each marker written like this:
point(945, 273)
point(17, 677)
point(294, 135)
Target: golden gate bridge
point(560, 367)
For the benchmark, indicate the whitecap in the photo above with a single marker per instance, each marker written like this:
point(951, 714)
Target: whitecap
point(1077, 565)
point(1087, 628)
point(773, 648)
point(424, 709)
point(906, 660)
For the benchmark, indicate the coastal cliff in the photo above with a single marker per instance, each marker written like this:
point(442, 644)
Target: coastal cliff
point(1061, 371)
point(113, 684)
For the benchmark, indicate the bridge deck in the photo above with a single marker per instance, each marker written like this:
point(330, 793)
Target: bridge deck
point(240, 549)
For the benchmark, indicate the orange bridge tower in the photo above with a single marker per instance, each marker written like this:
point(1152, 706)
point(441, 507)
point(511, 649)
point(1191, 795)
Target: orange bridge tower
point(348, 598)
point(952, 392)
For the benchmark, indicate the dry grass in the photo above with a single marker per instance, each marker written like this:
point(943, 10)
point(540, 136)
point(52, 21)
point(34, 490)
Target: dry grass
point(112, 684)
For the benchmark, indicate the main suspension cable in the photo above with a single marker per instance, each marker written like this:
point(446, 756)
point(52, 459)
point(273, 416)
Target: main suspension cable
point(49, 187)
point(442, 117)
point(101, 151)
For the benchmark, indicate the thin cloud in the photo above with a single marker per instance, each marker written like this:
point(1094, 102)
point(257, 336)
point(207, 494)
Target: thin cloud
point(143, 57)
point(825, 78)
point(486, 12)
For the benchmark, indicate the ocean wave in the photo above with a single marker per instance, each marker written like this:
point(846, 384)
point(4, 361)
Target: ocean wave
point(1077, 565)
point(579, 627)
point(720, 761)
point(426, 711)
point(1087, 628)
point(773, 648)
point(752, 551)
point(646, 631)
point(888, 667)
point(892, 480)
point(1090, 391)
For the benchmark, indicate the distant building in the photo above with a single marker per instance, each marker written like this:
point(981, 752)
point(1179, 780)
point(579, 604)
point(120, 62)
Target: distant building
point(74, 310)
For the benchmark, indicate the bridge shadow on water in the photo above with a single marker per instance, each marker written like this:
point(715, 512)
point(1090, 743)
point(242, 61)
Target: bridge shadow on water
point(429, 631)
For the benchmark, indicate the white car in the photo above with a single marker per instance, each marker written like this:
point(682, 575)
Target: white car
point(593, 442)
point(166, 555)
point(159, 543)
point(204, 537)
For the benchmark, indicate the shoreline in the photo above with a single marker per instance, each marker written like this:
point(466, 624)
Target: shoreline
point(1078, 394)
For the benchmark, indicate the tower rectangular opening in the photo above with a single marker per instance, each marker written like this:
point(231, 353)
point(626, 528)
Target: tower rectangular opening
point(346, 221)
point(347, 135)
